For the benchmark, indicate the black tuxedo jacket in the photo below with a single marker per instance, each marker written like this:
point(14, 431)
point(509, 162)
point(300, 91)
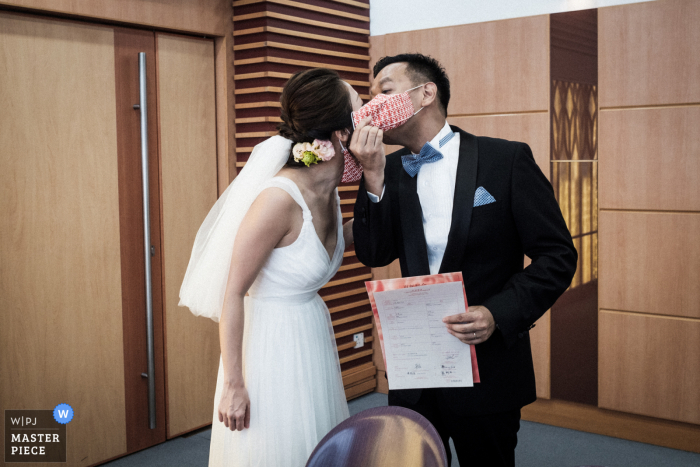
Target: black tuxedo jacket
point(487, 244)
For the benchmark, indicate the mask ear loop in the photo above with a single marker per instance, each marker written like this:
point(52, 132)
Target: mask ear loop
point(343, 148)
point(415, 87)
point(414, 113)
point(412, 90)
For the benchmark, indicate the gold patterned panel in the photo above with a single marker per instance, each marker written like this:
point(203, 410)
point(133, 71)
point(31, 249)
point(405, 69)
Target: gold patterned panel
point(575, 169)
point(574, 121)
point(576, 188)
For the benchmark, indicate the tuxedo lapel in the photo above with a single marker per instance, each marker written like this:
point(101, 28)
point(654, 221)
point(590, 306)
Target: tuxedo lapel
point(412, 226)
point(465, 186)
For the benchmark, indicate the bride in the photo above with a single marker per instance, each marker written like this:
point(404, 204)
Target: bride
point(279, 388)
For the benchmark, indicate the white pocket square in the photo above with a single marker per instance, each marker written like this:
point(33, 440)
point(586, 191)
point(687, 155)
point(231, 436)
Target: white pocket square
point(481, 197)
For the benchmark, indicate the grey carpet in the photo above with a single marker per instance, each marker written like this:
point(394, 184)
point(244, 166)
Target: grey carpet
point(538, 446)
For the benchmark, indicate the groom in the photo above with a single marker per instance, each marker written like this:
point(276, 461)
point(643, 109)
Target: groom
point(470, 204)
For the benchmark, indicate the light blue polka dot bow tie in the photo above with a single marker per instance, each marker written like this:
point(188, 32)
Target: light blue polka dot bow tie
point(428, 153)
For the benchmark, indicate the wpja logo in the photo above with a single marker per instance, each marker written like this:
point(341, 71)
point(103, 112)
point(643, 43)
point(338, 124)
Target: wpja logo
point(37, 435)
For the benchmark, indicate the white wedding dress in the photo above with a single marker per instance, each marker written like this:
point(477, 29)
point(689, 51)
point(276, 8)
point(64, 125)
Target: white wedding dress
point(291, 366)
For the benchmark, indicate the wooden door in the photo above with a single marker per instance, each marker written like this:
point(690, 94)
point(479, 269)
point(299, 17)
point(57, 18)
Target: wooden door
point(183, 187)
point(61, 338)
point(187, 118)
point(128, 43)
point(72, 291)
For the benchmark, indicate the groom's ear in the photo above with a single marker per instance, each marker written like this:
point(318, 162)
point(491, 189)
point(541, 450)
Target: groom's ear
point(429, 94)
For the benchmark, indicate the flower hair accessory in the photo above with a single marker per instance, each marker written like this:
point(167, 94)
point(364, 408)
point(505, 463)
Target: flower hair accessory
point(311, 153)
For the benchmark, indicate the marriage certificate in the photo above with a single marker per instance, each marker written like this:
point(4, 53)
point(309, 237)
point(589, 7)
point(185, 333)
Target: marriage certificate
point(418, 350)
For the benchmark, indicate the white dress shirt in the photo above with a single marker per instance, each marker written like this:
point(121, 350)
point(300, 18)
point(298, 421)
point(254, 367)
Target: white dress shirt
point(436, 189)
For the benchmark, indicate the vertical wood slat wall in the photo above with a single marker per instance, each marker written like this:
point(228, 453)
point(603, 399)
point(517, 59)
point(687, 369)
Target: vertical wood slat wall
point(272, 40)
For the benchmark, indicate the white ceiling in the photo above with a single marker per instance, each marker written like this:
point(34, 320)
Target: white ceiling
point(388, 16)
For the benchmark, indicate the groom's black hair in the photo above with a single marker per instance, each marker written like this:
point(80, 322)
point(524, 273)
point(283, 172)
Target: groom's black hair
point(419, 69)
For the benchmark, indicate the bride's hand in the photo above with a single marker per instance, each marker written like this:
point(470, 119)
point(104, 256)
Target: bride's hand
point(234, 407)
point(366, 145)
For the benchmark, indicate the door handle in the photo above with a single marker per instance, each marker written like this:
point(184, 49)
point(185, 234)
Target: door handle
point(142, 107)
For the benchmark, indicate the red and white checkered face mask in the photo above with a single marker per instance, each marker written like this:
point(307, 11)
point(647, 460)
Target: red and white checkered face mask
point(353, 168)
point(387, 111)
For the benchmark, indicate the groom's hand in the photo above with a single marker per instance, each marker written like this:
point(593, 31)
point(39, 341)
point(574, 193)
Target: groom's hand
point(473, 327)
point(366, 145)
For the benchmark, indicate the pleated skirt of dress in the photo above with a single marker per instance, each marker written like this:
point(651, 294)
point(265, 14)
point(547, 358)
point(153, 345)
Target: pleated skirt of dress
point(293, 377)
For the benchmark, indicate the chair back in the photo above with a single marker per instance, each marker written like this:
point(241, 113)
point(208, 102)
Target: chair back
point(381, 437)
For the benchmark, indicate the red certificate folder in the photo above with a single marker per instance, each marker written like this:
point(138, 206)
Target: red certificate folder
point(416, 281)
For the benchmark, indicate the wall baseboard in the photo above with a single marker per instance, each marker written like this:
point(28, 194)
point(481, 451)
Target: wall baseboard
point(581, 417)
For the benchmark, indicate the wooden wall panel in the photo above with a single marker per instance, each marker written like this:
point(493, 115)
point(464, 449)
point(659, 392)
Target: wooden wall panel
point(648, 54)
point(650, 159)
point(376, 50)
point(574, 46)
point(650, 262)
point(189, 180)
point(60, 279)
point(574, 345)
point(648, 365)
point(541, 355)
point(532, 128)
point(540, 344)
point(197, 16)
point(495, 67)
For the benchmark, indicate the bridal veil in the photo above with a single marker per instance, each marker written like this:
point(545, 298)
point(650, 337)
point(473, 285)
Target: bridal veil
point(204, 286)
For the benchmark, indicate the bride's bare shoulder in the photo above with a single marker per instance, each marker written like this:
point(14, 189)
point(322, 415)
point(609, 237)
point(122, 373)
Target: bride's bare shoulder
point(275, 202)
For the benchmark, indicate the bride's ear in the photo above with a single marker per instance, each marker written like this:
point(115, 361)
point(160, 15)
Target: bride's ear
point(343, 136)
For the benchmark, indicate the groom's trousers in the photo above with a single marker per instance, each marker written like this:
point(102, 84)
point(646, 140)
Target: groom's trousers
point(480, 440)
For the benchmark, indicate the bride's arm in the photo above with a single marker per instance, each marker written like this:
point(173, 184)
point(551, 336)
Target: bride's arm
point(347, 232)
point(267, 222)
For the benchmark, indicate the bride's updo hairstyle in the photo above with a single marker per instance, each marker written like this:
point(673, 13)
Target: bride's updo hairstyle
point(315, 103)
